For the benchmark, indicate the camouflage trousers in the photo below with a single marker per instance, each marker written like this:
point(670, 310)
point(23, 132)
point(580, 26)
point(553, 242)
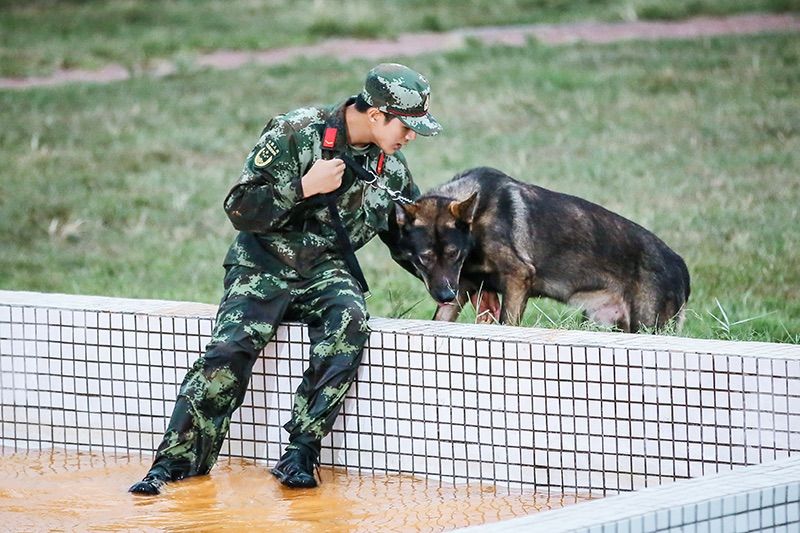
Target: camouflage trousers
point(254, 303)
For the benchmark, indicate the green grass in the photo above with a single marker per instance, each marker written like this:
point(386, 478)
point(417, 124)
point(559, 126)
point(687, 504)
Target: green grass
point(117, 189)
point(39, 36)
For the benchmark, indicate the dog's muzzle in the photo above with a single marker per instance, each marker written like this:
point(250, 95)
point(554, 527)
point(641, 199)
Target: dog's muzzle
point(444, 295)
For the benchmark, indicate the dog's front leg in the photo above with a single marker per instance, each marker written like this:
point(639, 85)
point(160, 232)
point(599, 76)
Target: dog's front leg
point(515, 298)
point(487, 307)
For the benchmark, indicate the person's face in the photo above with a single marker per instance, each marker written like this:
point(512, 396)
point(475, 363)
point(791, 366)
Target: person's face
point(390, 136)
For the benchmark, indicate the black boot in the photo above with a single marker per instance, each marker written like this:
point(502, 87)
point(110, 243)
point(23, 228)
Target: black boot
point(296, 467)
point(156, 478)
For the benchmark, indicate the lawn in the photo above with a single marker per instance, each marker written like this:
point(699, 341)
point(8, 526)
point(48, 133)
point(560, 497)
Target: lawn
point(117, 189)
point(39, 36)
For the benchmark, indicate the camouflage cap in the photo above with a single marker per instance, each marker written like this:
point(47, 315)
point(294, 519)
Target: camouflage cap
point(404, 93)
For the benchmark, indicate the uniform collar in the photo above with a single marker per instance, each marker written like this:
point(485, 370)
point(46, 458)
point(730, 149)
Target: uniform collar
point(336, 120)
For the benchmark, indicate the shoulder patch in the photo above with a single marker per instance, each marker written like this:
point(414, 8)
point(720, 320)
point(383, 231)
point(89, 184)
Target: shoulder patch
point(265, 156)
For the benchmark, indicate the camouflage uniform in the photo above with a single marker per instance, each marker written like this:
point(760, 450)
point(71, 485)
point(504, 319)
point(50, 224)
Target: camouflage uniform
point(285, 264)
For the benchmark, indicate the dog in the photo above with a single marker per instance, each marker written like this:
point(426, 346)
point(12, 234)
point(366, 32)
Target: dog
point(485, 231)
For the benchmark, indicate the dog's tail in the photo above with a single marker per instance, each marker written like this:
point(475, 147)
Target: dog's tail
point(686, 288)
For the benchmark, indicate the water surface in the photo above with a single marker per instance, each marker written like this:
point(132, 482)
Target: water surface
point(69, 491)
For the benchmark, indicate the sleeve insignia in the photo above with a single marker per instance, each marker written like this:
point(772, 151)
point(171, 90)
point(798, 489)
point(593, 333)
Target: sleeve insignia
point(265, 156)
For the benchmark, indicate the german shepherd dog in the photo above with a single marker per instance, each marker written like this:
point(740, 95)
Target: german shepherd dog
point(484, 230)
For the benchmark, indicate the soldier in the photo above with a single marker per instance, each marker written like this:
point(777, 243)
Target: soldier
point(296, 206)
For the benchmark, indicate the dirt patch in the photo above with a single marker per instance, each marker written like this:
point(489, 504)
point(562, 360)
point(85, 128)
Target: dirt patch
point(411, 44)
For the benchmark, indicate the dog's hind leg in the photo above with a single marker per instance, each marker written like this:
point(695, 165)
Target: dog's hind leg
point(669, 314)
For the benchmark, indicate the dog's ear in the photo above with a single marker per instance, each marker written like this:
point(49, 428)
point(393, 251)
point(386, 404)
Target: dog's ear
point(405, 213)
point(465, 210)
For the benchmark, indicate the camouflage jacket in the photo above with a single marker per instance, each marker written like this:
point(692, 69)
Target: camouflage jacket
point(284, 233)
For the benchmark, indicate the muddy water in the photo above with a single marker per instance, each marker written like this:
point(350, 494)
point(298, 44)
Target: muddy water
point(69, 491)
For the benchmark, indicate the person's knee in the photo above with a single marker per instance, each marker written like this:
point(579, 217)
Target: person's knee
point(220, 377)
point(346, 332)
point(236, 334)
point(239, 356)
point(355, 324)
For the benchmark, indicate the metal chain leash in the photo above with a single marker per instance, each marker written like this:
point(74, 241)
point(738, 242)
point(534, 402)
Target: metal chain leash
point(396, 196)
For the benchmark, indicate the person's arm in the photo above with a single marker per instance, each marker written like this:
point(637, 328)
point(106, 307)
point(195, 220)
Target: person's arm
point(269, 186)
point(272, 189)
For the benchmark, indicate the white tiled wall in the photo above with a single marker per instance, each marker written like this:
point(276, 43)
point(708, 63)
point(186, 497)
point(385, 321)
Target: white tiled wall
point(561, 411)
point(762, 497)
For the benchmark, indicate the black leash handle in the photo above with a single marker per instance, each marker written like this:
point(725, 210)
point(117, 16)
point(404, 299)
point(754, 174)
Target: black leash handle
point(360, 172)
point(348, 253)
point(346, 247)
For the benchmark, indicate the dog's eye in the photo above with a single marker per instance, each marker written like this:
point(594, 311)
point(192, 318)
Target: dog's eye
point(427, 256)
point(451, 252)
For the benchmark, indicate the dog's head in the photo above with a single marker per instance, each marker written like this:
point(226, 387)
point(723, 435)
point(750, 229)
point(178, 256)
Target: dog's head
point(435, 237)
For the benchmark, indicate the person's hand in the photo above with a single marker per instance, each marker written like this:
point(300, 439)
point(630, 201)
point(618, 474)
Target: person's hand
point(324, 176)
